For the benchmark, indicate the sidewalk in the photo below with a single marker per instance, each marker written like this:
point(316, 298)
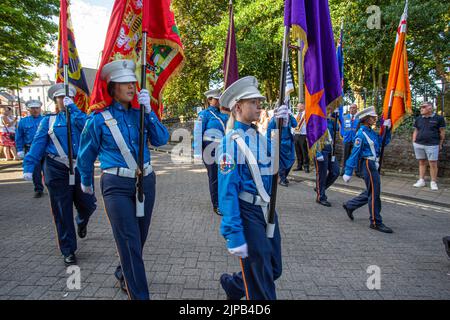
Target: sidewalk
point(391, 185)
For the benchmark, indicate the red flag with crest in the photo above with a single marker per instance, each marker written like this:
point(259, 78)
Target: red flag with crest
point(165, 54)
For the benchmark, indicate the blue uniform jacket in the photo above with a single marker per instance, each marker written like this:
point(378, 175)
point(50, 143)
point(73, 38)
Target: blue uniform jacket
point(207, 121)
point(43, 144)
point(26, 130)
point(287, 151)
point(349, 128)
point(328, 145)
point(361, 147)
point(97, 140)
point(234, 177)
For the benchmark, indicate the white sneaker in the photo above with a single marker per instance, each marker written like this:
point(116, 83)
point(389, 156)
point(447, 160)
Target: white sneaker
point(433, 185)
point(420, 183)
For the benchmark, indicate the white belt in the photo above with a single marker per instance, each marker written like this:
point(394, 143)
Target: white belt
point(212, 139)
point(127, 173)
point(376, 159)
point(257, 201)
point(63, 160)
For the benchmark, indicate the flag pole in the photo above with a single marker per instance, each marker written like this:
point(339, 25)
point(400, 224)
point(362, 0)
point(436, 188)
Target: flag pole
point(64, 47)
point(140, 178)
point(336, 114)
point(301, 81)
point(391, 99)
point(273, 199)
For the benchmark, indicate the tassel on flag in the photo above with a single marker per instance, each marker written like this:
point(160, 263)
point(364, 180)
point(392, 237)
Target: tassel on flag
point(165, 54)
point(68, 55)
point(397, 101)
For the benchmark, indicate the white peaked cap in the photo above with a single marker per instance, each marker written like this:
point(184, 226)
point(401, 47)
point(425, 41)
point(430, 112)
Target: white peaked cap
point(58, 90)
point(213, 93)
point(370, 111)
point(33, 104)
point(244, 88)
point(119, 71)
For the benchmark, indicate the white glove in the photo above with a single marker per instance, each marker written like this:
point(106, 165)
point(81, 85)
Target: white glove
point(21, 154)
point(28, 176)
point(387, 123)
point(241, 251)
point(87, 189)
point(144, 99)
point(67, 101)
point(282, 112)
point(320, 158)
point(346, 178)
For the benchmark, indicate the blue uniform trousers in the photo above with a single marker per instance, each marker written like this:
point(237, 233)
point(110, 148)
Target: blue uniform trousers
point(213, 183)
point(37, 173)
point(283, 173)
point(371, 195)
point(263, 265)
point(130, 232)
point(62, 199)
point(327, 172)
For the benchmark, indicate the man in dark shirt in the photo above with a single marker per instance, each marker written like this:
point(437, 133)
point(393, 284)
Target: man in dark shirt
point(428, 139)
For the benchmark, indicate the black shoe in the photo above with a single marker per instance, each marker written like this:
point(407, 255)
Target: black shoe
point(82, 230)
point(381, 228)
point(284, 184)
point(306, 169)
point(324, 203)
point(223, 278)
point(38, 194)
point(349, 212)
point(70, 259)
point(216, 211)
point(120, 278)
point(298, 169)
point(446, 241)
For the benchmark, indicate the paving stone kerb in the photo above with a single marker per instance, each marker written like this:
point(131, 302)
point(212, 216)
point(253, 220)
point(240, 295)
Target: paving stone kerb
point(325, 255)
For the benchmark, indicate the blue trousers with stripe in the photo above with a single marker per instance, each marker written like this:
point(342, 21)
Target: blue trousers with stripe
point(327, 172)
point(371, 195)
point(263, 265)
point(129, 231)
point(62, 199)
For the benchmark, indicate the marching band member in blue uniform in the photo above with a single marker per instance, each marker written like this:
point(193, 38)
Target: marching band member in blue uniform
point(327, 168)
point(209, 129)
point(24, 137)
point(245, 181)
point(50, 142)
point(113, 135)
point(365, 153)
point(287, 148)
point(349, 128)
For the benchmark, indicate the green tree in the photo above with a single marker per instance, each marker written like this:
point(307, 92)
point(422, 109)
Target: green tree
point(26, 28)
point(185, 91)
point(367, 52)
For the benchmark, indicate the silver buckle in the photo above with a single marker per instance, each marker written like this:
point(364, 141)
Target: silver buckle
point(111, 122)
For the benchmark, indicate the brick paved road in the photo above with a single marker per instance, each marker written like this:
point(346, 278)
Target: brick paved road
point(325, 254)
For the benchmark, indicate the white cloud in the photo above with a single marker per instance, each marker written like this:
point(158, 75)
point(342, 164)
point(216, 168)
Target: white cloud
point(90, 23)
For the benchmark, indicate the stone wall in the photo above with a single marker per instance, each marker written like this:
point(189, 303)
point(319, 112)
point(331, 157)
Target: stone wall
point(399, 154)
